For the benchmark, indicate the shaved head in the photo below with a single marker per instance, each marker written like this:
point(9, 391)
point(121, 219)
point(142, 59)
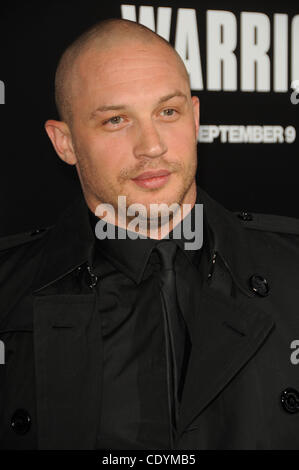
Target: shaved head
point(100, 37)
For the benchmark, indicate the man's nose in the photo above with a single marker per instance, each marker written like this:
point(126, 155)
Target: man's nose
point(149, 142)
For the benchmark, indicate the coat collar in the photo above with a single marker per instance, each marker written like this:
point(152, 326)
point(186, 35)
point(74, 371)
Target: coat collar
point(71, 243)
point(230, 241)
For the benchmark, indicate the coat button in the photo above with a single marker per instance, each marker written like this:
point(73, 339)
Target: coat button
point(244, 215)
point(78, 271)
point(290, 400)
point(259, 285)
point(37, 231)
point(21, 421)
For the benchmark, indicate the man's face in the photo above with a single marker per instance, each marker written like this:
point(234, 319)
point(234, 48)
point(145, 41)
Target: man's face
point(153, 127)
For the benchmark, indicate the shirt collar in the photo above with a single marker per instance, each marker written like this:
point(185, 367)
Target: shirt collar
point(70, 242)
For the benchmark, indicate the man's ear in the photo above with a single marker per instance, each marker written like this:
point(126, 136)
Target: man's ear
point(60, 136)
point(196, 111)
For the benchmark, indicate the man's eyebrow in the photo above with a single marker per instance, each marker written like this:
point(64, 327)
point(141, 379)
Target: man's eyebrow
point(172, 95)
point(118, 107)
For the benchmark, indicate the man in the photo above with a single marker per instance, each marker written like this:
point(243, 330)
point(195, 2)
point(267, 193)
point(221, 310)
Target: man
point(106, 345)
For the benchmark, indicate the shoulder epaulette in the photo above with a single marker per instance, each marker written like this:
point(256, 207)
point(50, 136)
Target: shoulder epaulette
point(269, 222)
point(11, 241)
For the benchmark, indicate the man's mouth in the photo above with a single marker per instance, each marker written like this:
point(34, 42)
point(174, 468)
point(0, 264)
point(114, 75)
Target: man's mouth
point(152, 179)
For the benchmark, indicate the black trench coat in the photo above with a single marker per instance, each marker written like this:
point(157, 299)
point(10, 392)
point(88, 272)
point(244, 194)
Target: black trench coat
point(242, 383)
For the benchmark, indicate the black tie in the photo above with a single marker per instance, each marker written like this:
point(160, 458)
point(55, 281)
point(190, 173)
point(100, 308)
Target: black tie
point(167, 250)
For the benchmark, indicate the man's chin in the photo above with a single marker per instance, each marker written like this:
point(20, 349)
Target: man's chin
point(152, 201)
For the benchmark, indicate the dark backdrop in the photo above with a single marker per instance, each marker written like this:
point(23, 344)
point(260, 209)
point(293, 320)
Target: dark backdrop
point(36, 185)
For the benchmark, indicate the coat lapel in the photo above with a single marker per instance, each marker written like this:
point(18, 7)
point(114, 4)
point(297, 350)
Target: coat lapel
point(224, 335)
point(225, 332)
point(68, 364)
point(67, 336)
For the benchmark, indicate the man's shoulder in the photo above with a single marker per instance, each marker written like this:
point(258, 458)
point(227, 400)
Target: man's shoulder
point(23, 238)
point(268, 222)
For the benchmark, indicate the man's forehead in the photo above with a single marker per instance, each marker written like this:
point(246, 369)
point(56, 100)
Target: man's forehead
point(147, 85)
point(99, 59)
point(132, 58)
point(101, 71)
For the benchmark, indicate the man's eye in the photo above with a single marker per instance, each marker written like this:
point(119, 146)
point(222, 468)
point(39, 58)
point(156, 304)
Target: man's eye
point(169, 112)
point(114, 120)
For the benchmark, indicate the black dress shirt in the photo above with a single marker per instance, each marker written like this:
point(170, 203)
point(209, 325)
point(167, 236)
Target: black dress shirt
point(135, 402)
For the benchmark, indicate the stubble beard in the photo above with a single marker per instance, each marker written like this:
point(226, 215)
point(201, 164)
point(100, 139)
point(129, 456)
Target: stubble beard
point(104, 194)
